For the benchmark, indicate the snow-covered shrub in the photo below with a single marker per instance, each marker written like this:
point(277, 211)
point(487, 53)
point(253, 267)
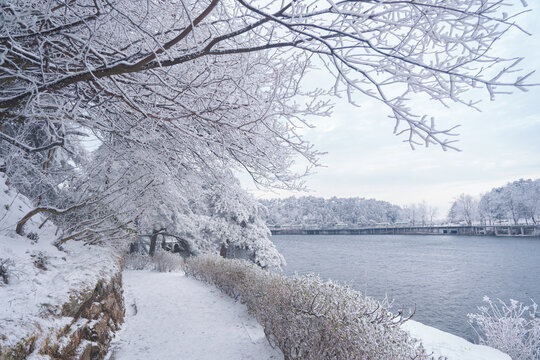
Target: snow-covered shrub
point(308, 318)
point(512, 328)
point(33, 236)
point(162, 261)
point(40, 260)
point(138, 262)
point(5, 265)
point(165, 261)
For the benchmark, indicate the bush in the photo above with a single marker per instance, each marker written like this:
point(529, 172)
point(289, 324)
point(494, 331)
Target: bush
point(162, 261)
point(166, 261)
point(138, 262)
point(514, 328)
point(308, 318)
point(40, 260)
point(5, 265)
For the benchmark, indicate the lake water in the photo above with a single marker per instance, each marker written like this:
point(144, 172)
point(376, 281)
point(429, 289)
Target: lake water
point(445, 276)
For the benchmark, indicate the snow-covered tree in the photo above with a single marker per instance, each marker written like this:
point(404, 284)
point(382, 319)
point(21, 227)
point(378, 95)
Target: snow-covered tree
point(514, 202)
point(411, 214)
point(432, 212)
point(321, 213)
point(176, 90)
point(201, 211)
point(423, 213)
point(486, 209)
point(87, 58)
point(453, 213)
point(526, 193)
point(464, 208)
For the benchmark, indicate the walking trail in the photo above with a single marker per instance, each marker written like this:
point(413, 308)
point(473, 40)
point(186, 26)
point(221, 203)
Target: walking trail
point(171, 316)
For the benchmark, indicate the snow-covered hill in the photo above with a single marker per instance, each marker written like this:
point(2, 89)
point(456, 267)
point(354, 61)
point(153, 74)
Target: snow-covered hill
point(40, 278)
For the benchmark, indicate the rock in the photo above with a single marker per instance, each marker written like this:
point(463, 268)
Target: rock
point(103, 306)
point(95, 310)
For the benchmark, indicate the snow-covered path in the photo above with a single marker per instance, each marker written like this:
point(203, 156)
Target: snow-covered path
point(163, 323)
point(171, 316)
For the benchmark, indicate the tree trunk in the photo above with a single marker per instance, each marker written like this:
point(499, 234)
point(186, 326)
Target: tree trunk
point(153, 241)
point(163, 243)
point(134, 248)
point(223, 251)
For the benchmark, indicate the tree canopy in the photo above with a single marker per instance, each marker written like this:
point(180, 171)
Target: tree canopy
point(180, 93)
point(514, 203)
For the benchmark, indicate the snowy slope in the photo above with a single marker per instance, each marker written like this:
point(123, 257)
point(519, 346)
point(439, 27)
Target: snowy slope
point(31, 302)
point(170, 316)
point(441, 343)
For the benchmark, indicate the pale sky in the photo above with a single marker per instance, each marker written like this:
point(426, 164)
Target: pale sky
point(499, 144)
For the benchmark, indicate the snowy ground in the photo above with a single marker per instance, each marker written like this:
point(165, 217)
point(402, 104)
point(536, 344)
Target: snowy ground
point(170, 316)
point(30, 304)
point(451, 346)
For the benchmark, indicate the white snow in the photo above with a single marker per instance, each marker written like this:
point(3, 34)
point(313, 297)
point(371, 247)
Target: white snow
point(30, 304)
point(176, 317)
point(441, 343)
point(171, 316)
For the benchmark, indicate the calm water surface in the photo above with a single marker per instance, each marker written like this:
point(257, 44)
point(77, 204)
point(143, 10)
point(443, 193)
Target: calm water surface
point(446, 277)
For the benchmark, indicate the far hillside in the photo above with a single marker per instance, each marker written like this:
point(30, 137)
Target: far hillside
point(320, 212)
point(517, 202)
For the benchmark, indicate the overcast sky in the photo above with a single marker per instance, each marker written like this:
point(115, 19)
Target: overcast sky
point(499, 144)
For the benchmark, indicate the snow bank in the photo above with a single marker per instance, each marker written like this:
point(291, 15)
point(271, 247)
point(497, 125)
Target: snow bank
point(41, 277)
point(453, 347)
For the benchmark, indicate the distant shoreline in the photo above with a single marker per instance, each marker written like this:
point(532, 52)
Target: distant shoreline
point(467, 230)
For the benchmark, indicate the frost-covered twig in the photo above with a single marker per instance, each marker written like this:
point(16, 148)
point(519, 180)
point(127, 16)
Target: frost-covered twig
point(513, 328)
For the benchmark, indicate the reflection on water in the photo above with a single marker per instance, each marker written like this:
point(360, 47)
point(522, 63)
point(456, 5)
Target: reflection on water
point(446, 277)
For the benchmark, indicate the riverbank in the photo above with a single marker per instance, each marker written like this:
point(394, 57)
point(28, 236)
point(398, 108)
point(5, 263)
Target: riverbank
point(170, 315)
point(443, 277)
point(465, 230)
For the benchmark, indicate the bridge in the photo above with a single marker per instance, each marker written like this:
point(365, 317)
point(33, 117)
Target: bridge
point(478, 230)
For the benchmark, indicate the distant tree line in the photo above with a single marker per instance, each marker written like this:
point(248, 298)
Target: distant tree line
point(320, 212)
point(516, 202)
point(122, 119)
